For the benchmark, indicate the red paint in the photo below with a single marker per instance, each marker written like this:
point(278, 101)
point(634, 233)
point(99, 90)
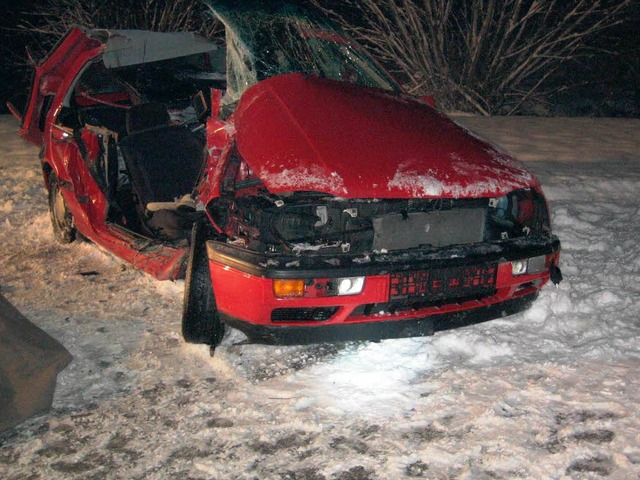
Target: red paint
point(54, 76)
point(234, 287)
point(358, 139)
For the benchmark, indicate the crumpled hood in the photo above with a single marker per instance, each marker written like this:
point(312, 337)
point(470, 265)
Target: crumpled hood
point(303, 133)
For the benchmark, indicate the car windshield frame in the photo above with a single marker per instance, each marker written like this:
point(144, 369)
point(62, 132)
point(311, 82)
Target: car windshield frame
point(266, 40)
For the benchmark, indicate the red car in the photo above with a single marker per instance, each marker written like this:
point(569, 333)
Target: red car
point(284, 173)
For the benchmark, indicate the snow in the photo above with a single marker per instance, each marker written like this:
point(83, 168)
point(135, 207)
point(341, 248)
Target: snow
point(479, 179)
point(549, 393)
point(433, 184)
point(312, 178)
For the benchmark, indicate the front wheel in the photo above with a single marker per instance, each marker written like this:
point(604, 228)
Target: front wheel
point(61, 219)
point(200, 319)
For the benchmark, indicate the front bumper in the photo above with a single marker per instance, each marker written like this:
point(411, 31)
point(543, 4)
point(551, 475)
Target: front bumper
point(378, 330)
point(243, 284)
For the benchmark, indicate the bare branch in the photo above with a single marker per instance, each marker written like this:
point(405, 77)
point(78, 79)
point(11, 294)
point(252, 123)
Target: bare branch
point(483, 55)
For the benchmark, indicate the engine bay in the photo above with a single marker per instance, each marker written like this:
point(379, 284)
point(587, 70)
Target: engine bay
point(311, 222)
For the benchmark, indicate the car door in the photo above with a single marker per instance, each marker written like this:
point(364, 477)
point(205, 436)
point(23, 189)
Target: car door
point(63, 150)
point(52, 78)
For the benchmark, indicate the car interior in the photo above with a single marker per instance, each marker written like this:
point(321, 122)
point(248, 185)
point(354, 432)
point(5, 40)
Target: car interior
point(148, 120)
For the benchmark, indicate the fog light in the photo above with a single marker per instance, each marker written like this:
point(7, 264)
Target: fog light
point(349, 285)
point(519, 267)
point(285, 288)
point(537, 264)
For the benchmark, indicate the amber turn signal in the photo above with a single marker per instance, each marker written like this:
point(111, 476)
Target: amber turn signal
point(285, 288)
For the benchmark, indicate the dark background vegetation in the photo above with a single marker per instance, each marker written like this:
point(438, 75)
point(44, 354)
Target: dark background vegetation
point(14, 78)
point(602, 81)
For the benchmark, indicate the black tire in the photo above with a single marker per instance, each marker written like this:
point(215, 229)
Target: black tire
point(61, 219)
point(200, 319)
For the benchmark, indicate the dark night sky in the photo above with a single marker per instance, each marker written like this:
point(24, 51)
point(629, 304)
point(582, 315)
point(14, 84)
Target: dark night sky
point(12, 11)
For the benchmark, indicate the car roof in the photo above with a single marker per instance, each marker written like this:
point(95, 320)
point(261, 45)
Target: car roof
point(131, 47)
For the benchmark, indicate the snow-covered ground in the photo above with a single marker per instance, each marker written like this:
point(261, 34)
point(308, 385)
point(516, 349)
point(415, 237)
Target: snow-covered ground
point(550, 393)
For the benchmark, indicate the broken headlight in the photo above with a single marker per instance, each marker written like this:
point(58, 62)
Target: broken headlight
point(519, 213)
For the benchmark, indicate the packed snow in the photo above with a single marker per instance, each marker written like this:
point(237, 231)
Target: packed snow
point(499, 178)
point(550, 393)
point(312, 178)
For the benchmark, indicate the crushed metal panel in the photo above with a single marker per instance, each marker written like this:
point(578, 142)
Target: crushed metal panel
point(133, 47)
point(300, 132)
point(50, 79)
point(439, 229)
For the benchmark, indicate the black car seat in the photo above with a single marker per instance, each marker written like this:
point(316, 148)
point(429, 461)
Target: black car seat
point(163, 161)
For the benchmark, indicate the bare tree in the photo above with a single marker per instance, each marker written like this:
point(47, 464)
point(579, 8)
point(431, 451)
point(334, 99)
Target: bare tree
point(489, 56)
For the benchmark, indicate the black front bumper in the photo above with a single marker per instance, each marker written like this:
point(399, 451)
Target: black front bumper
point(314, 265)
point(377, 330)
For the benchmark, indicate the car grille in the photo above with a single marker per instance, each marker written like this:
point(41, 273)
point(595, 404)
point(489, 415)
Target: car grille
point(443, 284)
point(418, 289)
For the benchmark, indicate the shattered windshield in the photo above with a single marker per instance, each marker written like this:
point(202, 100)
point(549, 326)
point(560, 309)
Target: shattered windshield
point(263, 42)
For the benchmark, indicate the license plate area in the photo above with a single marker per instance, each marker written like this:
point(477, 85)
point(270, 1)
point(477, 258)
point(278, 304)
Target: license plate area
point(437, 229)
point(444, 283)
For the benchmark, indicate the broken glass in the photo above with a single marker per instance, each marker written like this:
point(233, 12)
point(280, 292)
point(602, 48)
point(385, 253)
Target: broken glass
point(268, 40)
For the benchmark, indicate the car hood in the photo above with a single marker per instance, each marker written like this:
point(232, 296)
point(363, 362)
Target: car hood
point(303, 133)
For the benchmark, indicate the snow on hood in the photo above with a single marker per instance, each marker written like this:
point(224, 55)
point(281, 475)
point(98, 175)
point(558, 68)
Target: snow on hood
point(304, 133)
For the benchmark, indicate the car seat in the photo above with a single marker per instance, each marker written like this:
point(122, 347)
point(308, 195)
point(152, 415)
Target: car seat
point(163, 160)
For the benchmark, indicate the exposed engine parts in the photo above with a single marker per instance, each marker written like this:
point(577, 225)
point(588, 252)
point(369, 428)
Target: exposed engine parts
point(311, 222)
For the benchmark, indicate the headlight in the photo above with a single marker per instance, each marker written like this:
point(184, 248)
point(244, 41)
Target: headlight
point(529, 265)
point(349, 285)
point(519, 267)
point(520, 213)
point(537, 264)
point(319, 287)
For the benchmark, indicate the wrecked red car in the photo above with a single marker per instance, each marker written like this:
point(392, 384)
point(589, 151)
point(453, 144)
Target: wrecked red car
point(285, 175)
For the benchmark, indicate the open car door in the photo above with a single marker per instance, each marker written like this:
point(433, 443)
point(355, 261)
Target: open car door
point(50, 79)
